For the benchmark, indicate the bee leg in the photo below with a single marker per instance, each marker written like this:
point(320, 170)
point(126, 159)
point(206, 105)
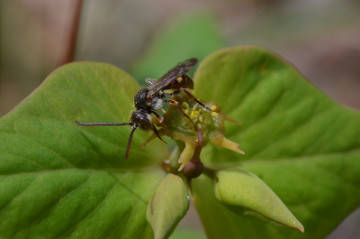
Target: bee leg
point(193, 97)
point(197, 130)
point(157, 133)
point(159, 117)
point(173, 102)
point(152, 136)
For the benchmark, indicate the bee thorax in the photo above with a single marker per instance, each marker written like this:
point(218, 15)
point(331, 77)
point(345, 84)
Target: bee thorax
point(156, 103)
point(140, 98)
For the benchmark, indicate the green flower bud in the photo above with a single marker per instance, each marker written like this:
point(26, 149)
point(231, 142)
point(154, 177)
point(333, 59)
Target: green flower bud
point(168, 206)
point(243, 189)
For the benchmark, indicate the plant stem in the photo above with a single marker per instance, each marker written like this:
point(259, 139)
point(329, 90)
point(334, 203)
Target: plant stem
point(69, 55)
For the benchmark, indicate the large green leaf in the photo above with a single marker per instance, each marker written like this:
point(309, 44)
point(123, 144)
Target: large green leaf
point(59, 179)
point(301, 143)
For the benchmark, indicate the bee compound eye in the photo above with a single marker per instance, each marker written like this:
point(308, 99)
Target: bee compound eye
point(141, 118)
point(146, 119)
point(136, 116)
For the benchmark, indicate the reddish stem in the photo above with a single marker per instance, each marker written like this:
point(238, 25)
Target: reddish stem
point(69, 55)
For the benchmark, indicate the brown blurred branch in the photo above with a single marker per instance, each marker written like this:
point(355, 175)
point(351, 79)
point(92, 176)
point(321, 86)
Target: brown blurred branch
point(70, 49)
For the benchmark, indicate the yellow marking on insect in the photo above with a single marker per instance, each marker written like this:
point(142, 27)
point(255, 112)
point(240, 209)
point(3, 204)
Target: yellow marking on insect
point(214, 114)
point(179, 79)
point(214, 107)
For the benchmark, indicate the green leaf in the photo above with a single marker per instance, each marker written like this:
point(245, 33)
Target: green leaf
point(244, 191)
point(168, 206)
point(184, 37)
point(297, 140)
point(59, 179)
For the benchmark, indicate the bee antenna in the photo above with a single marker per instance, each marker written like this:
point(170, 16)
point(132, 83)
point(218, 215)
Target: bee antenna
point(103, 124)
point(129, 142)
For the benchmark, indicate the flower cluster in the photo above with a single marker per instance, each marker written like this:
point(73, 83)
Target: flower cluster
point(193, 125)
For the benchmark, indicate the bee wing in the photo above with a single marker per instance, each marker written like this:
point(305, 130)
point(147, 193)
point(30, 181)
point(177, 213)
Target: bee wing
point(166, 80)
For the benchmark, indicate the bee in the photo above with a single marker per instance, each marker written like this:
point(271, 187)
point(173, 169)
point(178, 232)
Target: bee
point(152, 98)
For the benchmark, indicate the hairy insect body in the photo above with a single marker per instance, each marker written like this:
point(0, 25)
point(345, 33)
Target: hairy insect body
point(157, 103)
point(142, 116)
point(152, 98)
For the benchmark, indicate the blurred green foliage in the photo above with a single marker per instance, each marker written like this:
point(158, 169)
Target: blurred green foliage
point(187, 36)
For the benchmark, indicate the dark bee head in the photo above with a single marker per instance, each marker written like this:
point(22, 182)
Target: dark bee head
point(140, 99)
point(141, 118)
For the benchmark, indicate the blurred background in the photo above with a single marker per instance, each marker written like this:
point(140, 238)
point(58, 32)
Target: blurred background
point(320, 37)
